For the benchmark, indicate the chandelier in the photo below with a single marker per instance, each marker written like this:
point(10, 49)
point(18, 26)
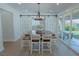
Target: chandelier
point(38, 16)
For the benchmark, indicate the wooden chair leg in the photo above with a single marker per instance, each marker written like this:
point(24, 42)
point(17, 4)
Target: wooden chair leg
point(31, 48)
point(42, 48)
point(22, 44)
point(39, 47)
point(50, 48)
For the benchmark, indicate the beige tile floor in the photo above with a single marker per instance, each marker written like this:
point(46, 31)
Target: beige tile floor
point(14, 49)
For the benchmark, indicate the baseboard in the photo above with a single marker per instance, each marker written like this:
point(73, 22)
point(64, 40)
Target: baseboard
point(8, 40)
point(12, 40)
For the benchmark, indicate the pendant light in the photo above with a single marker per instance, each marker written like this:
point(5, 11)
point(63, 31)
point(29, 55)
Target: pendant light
point(38, 16)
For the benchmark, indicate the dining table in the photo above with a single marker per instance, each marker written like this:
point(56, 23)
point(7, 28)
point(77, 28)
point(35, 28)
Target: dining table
point(40, 32)
point(35, 32)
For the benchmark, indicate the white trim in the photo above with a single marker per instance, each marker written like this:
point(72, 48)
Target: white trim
point(11, 40)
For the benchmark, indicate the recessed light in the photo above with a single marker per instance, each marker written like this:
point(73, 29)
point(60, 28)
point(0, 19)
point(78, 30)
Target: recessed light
point(19, 3)
point(57, 3)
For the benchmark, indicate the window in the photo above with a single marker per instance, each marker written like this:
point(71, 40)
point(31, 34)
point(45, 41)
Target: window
point(75, 26)
point(60, 26)
point(37, 25)
point(71, 29)
point(67, 27)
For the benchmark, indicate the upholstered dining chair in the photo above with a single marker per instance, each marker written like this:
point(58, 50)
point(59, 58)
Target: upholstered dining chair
point(35, 43)
point(25, 41)
point(54, 41)
point(46, 43)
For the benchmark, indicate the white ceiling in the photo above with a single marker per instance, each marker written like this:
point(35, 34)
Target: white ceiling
point(44, 7)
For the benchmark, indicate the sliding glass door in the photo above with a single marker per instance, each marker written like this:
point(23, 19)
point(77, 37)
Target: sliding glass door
point(60, 27)
point(67, 27)
point(75, 26)
point(71, 28)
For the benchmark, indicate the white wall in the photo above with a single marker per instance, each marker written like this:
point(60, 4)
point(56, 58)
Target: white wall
point(16, 20)
point(7, 25)
point(26, 23)
point(51, 24)
point(17, 25)
point(10, 25)
point(1, 38)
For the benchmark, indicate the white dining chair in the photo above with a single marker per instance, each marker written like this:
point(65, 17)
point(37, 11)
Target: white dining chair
point(25, 41)
point(46, 43)
point(35, 43)
point(54, 41)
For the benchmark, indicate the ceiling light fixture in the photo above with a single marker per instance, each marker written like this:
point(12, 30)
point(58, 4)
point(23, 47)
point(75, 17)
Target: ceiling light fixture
point(39, 17)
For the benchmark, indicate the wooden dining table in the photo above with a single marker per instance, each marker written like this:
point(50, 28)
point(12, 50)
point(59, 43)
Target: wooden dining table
point(34, 32)
point(40, 32)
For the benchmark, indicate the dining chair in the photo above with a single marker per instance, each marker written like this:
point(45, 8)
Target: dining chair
point(35, 43)
point(54, 41)
point(25, 41)
point(46, 43)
